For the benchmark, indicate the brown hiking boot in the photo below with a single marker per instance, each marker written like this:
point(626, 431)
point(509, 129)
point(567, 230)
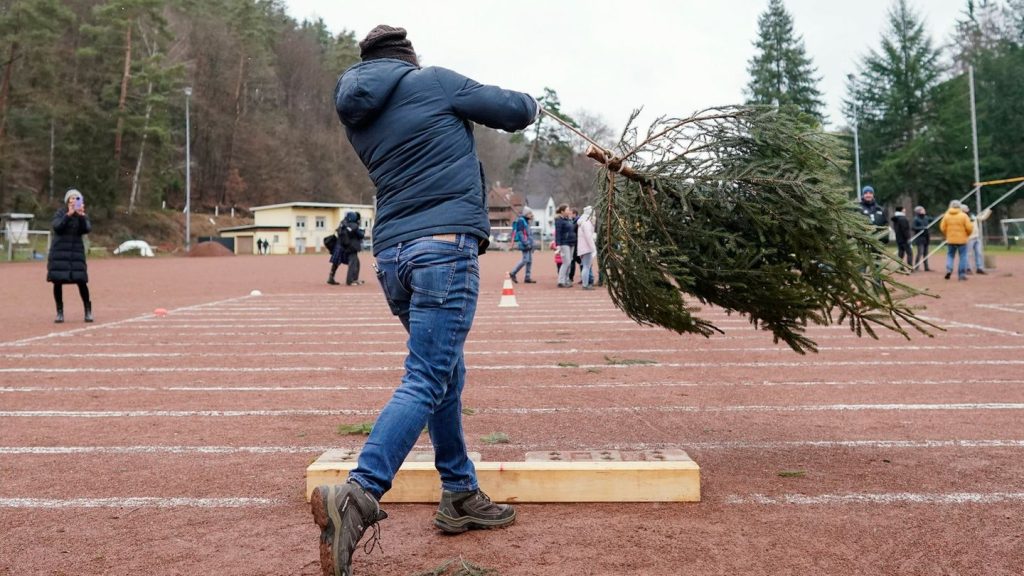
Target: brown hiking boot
point(343, 513)
point(461, 511)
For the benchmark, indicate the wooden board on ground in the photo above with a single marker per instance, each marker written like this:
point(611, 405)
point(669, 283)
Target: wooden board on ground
point(556, 476)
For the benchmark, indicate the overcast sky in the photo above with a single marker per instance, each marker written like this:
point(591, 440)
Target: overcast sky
point(671, 57)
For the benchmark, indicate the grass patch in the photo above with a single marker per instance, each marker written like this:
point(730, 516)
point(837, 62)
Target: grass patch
point(495, 438)
point(555, 342)
point(468, 411)
point(615, 361)
point(568, 365)
point(792, 474)
point(360, 429)
point(593, 370)
point(462, 567)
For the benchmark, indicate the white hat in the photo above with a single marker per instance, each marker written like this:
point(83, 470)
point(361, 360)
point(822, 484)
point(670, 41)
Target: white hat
point(72, 193)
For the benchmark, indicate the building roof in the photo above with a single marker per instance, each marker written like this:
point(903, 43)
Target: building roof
point(252, 228)
point(328, 205)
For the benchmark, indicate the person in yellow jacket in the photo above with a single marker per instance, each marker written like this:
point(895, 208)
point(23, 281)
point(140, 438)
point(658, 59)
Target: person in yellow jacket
point(957, 227)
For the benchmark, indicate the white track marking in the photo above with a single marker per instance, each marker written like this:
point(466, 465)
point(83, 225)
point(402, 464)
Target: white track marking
point(892, 349)
point(482, 367)
point(512, 411)
point(136, 502)
point(952, 498)
point(954, 324)
point(1015, 308)
point(104, 325)
point(532, 386)
point(780, 445)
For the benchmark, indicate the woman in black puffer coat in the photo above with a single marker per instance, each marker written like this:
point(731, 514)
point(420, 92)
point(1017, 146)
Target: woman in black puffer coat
point(66, 264)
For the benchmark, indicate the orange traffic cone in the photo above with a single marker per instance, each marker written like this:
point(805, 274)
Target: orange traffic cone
point(508, 295)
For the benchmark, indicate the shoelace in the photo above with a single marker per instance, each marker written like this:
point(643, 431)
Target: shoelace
point(374, 540)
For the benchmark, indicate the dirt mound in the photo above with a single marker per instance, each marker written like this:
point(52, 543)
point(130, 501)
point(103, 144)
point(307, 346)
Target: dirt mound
point(204, 249)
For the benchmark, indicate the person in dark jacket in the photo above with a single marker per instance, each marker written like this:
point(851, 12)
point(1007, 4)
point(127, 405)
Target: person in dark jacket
point(522, 238)
point(66, 263)
point(874, 213)
point(901, 228)
point(922, 237)
point(412, 129)
point(351, 238)
point(338, 254)
point(565, 240)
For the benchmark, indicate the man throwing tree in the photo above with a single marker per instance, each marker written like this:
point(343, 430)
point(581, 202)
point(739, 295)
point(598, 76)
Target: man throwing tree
point(412, 129)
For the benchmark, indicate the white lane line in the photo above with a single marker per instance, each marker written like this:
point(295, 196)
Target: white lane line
point(954, 324)
point(137, 502)
point(514, 411)
point(104, 325)
point(951, 498)
point(482, 367)
point(532, 386)
point(890, 349)
point(781, 445)
point(1004, 308)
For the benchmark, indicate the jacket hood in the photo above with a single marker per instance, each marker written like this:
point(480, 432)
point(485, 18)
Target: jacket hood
point(953, 211)
point(364, 89)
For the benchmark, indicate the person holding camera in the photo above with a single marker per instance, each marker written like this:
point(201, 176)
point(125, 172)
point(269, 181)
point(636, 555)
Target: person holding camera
point(66, 262)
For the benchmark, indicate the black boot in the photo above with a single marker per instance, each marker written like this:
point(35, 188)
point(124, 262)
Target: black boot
point(60, 315)
point(88, 311)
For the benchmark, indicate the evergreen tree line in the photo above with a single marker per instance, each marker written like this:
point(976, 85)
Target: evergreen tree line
point(909, 99)
point(92, 95)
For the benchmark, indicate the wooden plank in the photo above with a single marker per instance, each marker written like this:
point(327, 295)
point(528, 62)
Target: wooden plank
point(660, 478)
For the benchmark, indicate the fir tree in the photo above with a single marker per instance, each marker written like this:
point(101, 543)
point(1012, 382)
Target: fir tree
point(781, 73)
point(894, 90)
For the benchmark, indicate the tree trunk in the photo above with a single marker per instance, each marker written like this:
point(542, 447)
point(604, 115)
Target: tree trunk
point(124, 95)
point(5, 88)
point(234, 125)
point(134, 195)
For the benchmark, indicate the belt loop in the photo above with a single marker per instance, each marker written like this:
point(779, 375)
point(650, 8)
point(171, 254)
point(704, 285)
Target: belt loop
point(462, 241)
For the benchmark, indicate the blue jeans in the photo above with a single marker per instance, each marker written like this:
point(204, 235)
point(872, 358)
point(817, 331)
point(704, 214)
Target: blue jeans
point(960, 249)
point(432, 286)
point(974, 251)
point(526, 261)
point(586, 265)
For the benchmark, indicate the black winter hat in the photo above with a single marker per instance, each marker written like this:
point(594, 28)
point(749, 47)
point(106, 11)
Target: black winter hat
point(387, 42)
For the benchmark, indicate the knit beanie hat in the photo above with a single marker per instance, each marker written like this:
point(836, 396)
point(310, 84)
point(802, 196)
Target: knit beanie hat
point(387, 42)
point(72, 193)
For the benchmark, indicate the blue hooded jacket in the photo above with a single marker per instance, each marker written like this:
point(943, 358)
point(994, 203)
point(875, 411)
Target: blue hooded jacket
point(412, 128)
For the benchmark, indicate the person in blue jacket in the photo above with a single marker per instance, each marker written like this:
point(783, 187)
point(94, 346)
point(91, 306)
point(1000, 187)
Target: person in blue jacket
point(412, 128)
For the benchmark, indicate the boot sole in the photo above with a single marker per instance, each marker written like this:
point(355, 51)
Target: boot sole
point(322, 502)
point(450, 525)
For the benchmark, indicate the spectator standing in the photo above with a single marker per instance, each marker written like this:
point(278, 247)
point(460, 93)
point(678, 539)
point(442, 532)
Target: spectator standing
point(66, 263)
point(957, 227)
point(586, 247)
point(922, 237)
point(338, 254)
point(565, 239)
point(974, 244)
point(874, 213)
point(901, 228)
point(523, 240)
point(412, 128)
point(351, 239)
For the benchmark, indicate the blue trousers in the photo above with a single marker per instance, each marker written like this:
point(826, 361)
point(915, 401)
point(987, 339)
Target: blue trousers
point(432, 286)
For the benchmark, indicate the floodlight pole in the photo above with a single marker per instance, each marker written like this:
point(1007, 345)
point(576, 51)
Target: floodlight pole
point(856, 139)
point(977, 167)
point(188, 174)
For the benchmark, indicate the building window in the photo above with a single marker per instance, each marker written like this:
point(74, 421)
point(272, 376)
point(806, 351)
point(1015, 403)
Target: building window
point(300, 222)
point(321, 222)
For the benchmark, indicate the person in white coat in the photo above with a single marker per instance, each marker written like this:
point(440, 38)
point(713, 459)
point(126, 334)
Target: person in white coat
point(586, 248)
